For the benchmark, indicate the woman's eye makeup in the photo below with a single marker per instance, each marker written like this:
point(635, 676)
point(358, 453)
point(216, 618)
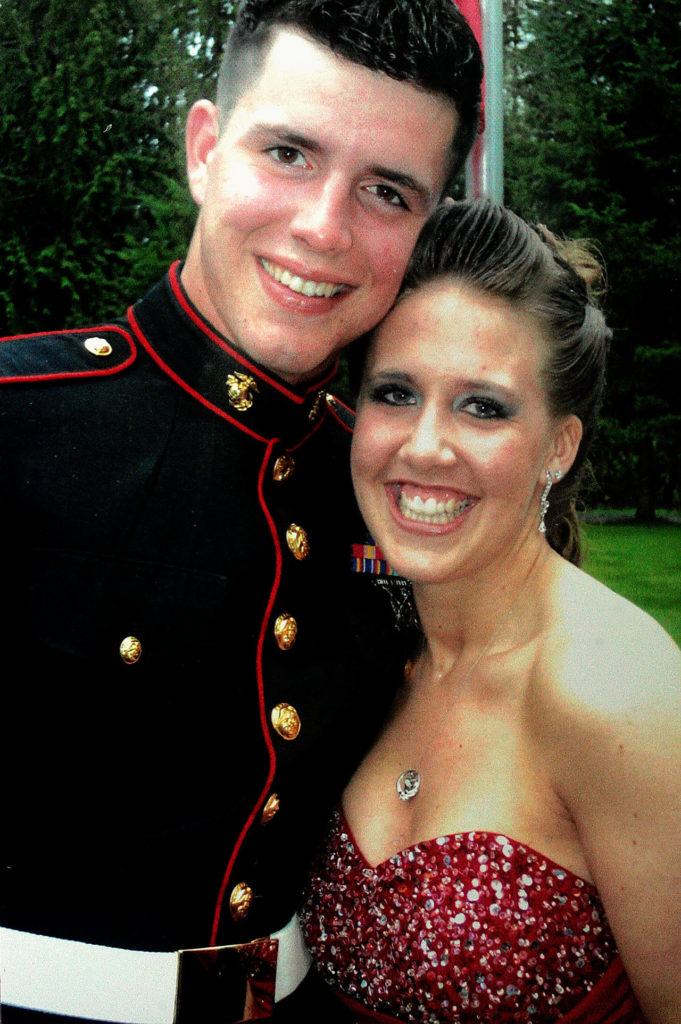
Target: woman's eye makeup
point(391, 393)
point(483, 407)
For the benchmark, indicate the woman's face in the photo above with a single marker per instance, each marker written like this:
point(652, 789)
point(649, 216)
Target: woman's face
point(453, 435)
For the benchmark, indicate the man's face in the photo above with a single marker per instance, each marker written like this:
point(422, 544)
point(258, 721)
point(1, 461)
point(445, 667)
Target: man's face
point(311, 198)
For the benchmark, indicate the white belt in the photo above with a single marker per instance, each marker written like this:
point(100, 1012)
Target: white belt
point(127, 986)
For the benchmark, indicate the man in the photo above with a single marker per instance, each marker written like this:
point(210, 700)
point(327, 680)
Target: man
point(195, 662)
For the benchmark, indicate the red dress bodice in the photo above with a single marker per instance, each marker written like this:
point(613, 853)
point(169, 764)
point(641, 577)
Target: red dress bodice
point(472, 928)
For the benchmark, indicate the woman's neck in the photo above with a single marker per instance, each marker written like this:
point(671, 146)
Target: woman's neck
point(501, 606)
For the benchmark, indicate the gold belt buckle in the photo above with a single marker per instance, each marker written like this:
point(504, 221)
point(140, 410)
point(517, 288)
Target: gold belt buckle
point(227, 984)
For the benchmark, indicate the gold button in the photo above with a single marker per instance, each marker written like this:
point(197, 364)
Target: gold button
point(240, 390)
point(299, 545)
point(130, 650)
point(283, 468)
point(240, 901)
point(285, 631)
point(271, 808)
point(286, 721)
point(98, 346)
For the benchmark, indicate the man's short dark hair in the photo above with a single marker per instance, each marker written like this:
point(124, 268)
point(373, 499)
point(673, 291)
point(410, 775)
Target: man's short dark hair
point(427, 43)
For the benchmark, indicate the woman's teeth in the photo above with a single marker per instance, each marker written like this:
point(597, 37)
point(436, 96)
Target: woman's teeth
point(430, 510)
point(318, 289)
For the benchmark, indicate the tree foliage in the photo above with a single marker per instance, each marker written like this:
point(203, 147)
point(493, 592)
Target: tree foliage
point(92, 100)
point(592, 149)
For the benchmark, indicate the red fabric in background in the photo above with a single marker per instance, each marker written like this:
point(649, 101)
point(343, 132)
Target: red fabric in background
point(473, 15)
point(471, 12)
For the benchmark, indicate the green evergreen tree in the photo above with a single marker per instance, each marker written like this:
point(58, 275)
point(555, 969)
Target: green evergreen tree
point(593, 118)
point(92, 99)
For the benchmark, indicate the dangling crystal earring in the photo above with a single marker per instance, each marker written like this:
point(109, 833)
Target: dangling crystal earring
point(544, 502)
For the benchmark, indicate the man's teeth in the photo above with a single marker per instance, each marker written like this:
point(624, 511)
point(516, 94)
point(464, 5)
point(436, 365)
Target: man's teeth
point(298, 284)
point(431, 510)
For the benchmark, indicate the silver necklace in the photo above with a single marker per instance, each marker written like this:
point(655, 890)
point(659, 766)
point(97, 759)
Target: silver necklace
point(408, 782)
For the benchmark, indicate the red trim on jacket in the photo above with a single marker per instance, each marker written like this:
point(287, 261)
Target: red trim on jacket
point(264, 723)
point(193, 314)
point(303, 440)
point(183, 384)
point(106, 371)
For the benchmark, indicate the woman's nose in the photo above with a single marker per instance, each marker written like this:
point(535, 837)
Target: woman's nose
point(431, 438)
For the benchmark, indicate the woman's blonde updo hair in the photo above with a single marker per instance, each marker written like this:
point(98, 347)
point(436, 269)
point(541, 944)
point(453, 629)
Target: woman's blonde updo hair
point(557, 282)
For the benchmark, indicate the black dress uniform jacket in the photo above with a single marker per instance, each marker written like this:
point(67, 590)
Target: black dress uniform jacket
point(191, 667)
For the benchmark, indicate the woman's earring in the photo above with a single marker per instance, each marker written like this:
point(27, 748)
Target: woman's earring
point(544, 500)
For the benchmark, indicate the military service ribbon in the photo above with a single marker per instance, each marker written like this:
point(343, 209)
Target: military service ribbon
point(368, 558)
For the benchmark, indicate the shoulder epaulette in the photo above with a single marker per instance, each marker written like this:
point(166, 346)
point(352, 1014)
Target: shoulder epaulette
point(341, 412)
point(64, 355)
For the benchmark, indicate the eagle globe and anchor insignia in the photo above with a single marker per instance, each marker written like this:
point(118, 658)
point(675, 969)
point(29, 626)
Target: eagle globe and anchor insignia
point(240, 390)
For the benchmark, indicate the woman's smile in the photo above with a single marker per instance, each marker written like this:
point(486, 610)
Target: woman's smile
point(438, 509)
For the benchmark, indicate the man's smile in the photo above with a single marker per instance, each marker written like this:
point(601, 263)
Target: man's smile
point(318, 289)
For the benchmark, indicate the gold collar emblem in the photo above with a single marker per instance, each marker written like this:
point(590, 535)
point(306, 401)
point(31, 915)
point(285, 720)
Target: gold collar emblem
point(240, 390)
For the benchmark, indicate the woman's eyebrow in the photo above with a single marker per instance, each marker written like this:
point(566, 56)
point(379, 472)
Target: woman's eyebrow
point(394, 376)
point(463, 384)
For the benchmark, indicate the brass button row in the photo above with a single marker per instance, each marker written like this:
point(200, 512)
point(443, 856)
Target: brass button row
point(241, 896)
point(285, 625)
point(296, 537)
point(284, 717)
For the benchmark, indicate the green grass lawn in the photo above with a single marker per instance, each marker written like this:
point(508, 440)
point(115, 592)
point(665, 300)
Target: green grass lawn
point(643, 563)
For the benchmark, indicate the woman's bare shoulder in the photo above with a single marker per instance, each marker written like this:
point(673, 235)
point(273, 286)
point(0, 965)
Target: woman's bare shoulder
point(605, 658)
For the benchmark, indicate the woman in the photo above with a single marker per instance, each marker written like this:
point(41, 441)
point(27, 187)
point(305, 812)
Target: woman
point(510, 849)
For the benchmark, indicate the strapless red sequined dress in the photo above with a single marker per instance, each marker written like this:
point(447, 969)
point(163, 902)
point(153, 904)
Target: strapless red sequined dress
point(473, 928)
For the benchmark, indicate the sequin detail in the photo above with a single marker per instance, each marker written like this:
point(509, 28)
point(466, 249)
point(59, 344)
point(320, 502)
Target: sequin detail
point(467, 929)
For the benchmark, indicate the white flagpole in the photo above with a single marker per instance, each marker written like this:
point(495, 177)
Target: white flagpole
point(485, 167)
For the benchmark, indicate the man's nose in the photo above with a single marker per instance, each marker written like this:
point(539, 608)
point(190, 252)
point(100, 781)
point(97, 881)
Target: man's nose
point(322, 219)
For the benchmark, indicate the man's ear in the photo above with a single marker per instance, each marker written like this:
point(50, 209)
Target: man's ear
point(201, 136)
point(566, 441)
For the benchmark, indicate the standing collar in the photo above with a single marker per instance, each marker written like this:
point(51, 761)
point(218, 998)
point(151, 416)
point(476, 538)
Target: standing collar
point(204, 363)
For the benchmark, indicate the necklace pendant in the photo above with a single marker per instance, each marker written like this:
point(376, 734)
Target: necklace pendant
point(408, 784)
